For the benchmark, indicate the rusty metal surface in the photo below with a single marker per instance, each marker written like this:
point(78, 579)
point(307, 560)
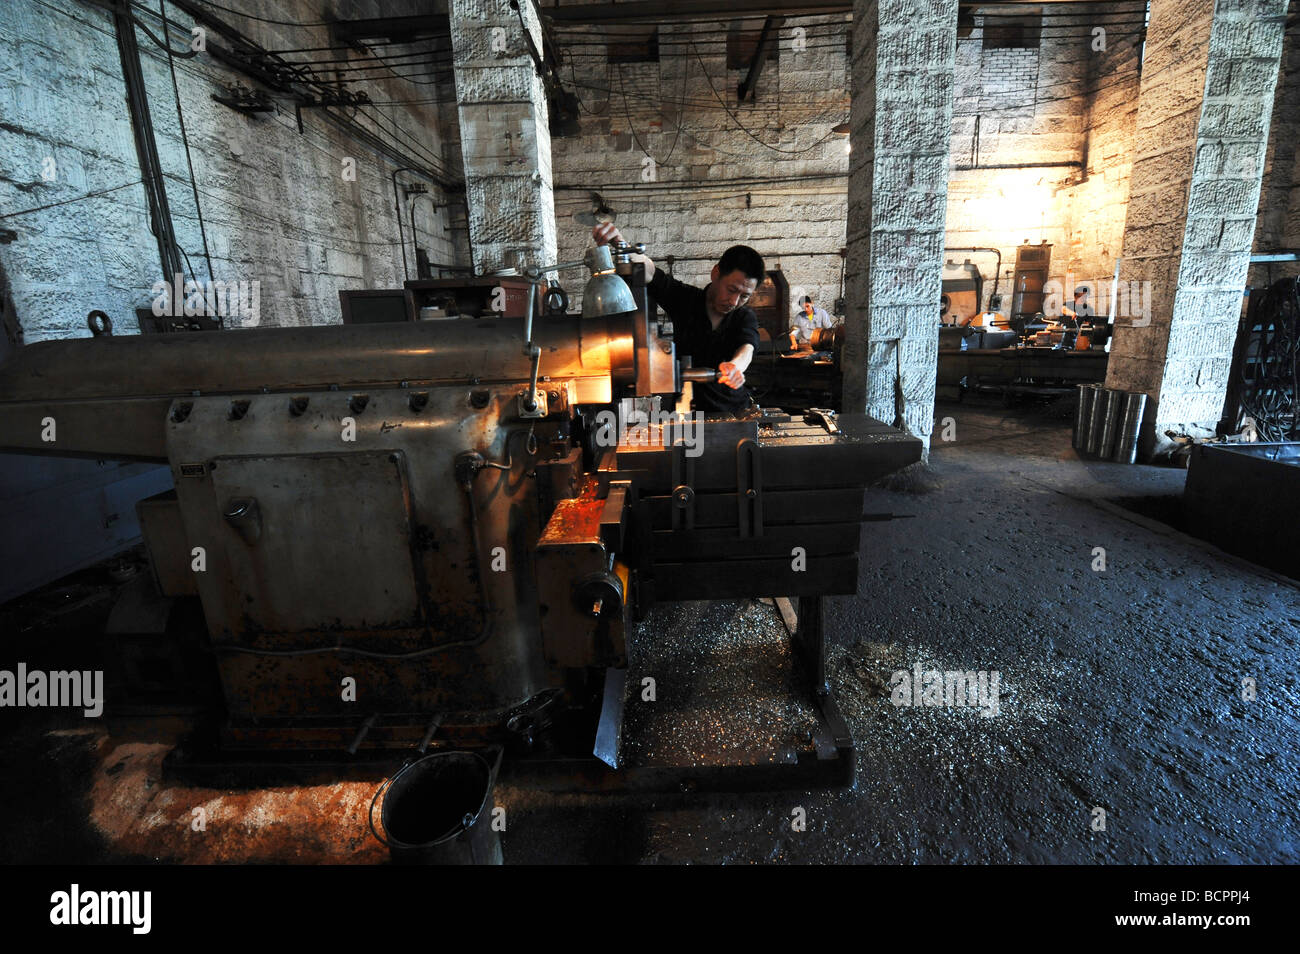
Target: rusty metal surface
point(583, 605)
point(577, 519)
point(378, 574)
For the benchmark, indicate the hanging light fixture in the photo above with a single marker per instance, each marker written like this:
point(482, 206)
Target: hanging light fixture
point(600, 213)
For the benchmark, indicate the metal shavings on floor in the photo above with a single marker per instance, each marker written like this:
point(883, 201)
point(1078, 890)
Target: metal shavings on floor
point(726, 688)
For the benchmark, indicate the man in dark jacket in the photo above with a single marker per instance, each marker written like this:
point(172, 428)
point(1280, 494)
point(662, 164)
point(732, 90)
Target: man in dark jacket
point(711, 324)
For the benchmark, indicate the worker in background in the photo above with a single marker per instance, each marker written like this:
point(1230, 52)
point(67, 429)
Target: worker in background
point(1081, 311)
point(712, 325)
point(1074, 318)
point(805, 321)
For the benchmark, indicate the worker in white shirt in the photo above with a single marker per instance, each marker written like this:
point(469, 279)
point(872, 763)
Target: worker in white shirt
point(807, 319)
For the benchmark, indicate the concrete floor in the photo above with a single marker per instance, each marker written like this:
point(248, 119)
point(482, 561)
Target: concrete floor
point(1120, 691)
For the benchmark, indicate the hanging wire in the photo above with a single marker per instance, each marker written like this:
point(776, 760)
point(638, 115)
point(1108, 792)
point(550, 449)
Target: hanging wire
point(251, 16)
point(185, 140)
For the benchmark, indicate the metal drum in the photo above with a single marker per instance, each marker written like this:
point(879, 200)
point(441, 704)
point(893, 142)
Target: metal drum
point(1087, 393)
point(1110, 422)
point(1135, 405)
point(1096, 419)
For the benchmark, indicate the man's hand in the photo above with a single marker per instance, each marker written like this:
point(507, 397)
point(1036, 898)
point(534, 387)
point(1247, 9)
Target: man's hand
point(730, 375)
point(606, 233)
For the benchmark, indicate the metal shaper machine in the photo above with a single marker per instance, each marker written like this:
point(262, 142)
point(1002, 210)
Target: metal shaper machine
point(434, 511)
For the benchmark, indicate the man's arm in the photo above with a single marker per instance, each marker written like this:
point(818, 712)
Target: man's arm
point(732, 373)
point(606, 232)
point(673, 296)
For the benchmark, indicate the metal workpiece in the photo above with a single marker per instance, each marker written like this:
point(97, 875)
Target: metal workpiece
point(799, 455)
point(100, 428)
point(109, 397)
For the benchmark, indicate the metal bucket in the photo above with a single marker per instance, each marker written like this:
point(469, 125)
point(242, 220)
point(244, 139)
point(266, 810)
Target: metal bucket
point(1087, 393)
point(1126, 442)
point(438, 811)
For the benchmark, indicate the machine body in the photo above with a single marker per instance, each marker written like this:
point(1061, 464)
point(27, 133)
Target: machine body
point(385, 503)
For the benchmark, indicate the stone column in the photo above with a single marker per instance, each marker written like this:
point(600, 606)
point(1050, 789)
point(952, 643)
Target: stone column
point(1202, 131)
point(902, 81)
point(505, 140)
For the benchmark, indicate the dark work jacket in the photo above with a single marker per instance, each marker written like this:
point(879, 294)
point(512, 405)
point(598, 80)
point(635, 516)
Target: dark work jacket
point(694, 335)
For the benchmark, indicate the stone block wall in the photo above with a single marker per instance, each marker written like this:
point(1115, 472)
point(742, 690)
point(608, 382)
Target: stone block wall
point(277, 206)
point(1207, 98)
point(780, 182)
point(903, 90)
point(690, 171)
point(1042, 143)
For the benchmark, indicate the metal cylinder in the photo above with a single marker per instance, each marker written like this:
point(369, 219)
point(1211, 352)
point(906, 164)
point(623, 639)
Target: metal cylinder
point(1126, 442)
point(1111, 414)
point(1087, 393)
point(1096, 420)
point(282, 359)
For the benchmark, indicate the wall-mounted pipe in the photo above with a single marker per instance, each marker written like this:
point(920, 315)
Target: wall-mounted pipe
point(146, 146)
point(1071, 163)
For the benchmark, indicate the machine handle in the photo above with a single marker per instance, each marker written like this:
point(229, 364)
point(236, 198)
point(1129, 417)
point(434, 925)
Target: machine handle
point(245, 516)
point(556, 301)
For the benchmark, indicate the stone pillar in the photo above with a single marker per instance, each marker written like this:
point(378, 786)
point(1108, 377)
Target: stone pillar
point(505, 140)
point(1278, 221)
point(1202, 130)
point(902, 82)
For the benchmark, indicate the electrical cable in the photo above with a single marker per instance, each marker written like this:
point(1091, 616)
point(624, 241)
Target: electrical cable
point(250, 16)
point(739, 155)
point(363, 67)
point(632, 126)
point(435, 163)
point(324, 87)
point(88, 195)
point(185, 139)
point(340, 46)
point(188, 54)
point(387, 58)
